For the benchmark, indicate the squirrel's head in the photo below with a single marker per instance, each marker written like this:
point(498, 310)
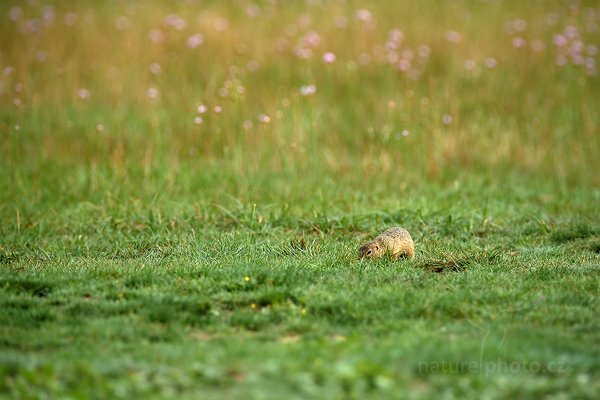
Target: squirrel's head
point(370, 250)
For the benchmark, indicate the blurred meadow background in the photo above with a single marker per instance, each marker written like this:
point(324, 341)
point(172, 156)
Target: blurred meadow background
point(185, 184)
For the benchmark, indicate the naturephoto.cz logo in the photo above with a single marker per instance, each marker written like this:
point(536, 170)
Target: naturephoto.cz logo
point(491, 367)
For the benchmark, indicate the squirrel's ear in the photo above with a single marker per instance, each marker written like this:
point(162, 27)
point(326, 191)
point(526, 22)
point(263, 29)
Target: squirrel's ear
point(377, 247)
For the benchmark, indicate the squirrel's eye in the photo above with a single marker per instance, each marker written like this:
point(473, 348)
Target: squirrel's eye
point(369, 252)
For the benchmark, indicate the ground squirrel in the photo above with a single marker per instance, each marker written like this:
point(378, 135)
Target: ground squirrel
point(395, 241)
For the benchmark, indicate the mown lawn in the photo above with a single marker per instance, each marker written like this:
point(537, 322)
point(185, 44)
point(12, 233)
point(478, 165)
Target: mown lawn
point(185, 186)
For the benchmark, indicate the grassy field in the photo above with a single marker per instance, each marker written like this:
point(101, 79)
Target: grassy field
point(185, 186)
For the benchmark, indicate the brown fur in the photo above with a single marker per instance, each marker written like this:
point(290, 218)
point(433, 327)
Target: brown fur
point(394, 241)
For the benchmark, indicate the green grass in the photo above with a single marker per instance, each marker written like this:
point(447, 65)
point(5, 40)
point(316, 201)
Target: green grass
point(144, 255)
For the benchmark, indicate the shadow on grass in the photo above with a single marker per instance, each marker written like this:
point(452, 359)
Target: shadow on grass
point(452, 263)
point(572, 232)
point(36, 288)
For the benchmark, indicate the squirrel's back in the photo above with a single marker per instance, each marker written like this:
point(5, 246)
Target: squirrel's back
point(397, 241)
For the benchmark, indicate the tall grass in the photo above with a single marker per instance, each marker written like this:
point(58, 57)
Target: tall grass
point(77, 88)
